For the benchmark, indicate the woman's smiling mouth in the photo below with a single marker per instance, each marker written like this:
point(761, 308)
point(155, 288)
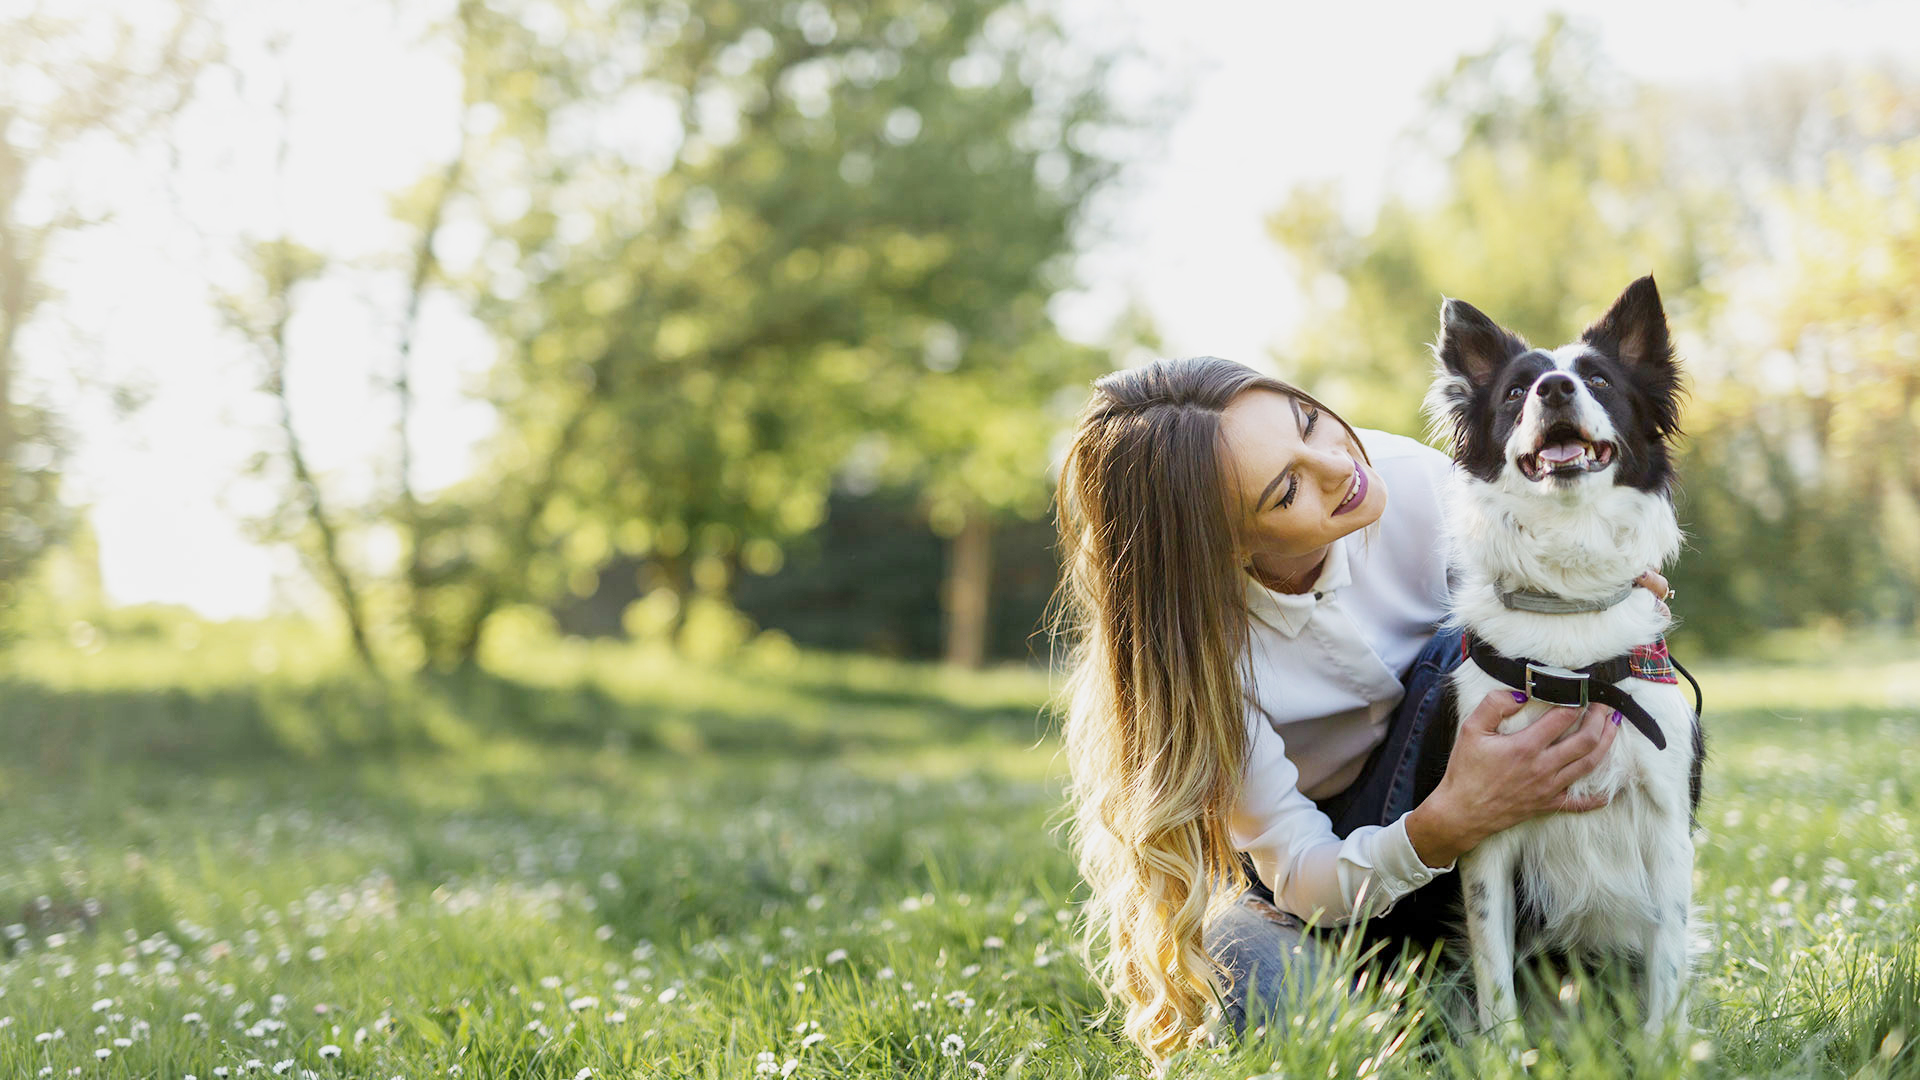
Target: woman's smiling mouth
point(1356, 494)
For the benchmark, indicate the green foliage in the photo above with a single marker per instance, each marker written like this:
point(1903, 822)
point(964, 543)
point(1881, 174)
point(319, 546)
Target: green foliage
point(840, 247)
point(641, 866)
point(1803, 474)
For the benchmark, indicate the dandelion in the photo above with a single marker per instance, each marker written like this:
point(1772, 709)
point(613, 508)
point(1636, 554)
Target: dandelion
point(837, 956)
point(816, 1037)
point(953, 1046)
point(788, 1066)
point(123, 1042)
point(103, 1053)
point(884, 974)
point(282, 1068)
point(582, 1004)
point(103, 1005)
point(976, 1068)
point(192, 1018)
point(994, 943)
point(618, 1016)
point(330, 1051)
point(585, 1073)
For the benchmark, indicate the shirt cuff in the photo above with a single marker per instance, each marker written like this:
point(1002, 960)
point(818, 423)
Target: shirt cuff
point(1400, 864)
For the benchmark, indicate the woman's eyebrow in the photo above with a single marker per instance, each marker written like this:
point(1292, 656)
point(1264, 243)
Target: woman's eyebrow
point(1275, 482)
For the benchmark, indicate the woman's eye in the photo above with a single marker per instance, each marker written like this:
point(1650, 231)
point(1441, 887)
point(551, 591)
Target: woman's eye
point(1312, 419)
point(1293, 488)
point(1598, 382)
point(1516, 393)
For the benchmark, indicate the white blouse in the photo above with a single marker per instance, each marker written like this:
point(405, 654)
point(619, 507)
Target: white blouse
point(1322, 679)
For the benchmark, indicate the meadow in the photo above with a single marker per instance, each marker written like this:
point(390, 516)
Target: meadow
point(224, 854)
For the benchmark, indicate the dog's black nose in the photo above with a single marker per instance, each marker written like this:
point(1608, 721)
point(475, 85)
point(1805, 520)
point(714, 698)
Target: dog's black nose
point(1556, 389)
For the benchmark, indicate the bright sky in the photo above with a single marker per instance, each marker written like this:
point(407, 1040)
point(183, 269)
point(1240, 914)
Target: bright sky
point(1277, 95)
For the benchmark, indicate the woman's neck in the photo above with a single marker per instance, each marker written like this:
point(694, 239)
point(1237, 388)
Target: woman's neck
point(1288, 573)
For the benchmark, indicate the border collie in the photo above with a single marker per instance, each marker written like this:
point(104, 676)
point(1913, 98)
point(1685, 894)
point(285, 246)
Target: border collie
point(1561, 498)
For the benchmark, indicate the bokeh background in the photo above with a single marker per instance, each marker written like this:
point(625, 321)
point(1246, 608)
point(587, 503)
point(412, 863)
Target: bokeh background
point(524, 524)
point(701, 323)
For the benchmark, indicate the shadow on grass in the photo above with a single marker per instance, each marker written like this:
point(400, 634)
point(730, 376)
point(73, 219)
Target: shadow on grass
point(65, 732)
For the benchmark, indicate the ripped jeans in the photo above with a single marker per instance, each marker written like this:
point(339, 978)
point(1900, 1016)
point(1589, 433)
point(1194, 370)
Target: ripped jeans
point(1263, 950)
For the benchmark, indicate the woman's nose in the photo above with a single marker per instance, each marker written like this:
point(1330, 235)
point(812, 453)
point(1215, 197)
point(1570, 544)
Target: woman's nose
point(1333, 466)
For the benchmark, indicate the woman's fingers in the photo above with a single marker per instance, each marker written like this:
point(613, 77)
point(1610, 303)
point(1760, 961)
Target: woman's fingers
point(1654, 583)
point(1595, 749)
point(1493, 709)
point(1554, 726)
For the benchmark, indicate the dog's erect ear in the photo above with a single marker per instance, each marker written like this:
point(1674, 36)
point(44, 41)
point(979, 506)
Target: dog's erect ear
point(1471, 345)
point(1635, 328)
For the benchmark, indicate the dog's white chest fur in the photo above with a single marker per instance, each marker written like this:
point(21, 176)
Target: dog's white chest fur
point(1617, 880)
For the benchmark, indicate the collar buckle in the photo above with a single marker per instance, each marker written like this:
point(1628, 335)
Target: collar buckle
point(1552, 686)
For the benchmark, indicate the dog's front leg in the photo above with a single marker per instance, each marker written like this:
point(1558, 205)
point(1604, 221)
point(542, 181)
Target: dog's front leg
point(1487, 882)
point(1670, 873)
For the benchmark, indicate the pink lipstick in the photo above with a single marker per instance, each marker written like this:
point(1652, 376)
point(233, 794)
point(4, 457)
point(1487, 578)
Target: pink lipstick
point(1359, 492)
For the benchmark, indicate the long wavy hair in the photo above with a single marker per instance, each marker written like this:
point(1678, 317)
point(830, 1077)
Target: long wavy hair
point(1153, 603)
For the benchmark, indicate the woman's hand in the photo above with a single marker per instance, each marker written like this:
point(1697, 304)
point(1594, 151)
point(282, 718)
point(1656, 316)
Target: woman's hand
point(1496, 781)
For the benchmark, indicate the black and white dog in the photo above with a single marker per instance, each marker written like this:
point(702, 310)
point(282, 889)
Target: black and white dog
point(1561, 499)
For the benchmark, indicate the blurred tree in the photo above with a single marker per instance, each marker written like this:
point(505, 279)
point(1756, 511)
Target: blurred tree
point(735, 251)
point(1545, 211)
point(70, 81)
point(1831, 412)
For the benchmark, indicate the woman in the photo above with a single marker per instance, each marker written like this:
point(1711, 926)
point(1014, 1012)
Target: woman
point(1254, 672)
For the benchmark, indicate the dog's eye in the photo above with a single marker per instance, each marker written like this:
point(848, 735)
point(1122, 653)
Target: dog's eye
point(1598, 382)
point(1516, 393)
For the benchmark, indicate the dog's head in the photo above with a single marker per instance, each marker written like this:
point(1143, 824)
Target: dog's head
point(1598, 411)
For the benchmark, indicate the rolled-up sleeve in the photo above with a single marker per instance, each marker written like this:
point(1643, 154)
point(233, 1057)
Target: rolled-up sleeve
point(1313, 873)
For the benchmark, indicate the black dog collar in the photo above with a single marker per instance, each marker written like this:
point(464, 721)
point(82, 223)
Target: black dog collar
point(1595, 682)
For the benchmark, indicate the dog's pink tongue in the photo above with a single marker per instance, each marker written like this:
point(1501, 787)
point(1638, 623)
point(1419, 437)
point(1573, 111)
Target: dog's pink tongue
point(1562, 453)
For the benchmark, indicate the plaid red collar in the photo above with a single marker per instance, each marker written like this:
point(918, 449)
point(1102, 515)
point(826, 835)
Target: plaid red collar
point(1651, 662)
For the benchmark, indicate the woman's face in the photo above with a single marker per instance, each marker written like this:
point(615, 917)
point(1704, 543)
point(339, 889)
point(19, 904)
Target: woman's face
point(1295, 480)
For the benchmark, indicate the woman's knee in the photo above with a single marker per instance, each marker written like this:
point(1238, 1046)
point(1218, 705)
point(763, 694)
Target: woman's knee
point(1266, 959)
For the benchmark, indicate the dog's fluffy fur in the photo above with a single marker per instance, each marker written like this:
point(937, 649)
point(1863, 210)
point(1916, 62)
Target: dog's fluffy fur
point(1618, 880)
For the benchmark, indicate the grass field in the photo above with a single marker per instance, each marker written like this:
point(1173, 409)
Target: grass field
point(220, 856)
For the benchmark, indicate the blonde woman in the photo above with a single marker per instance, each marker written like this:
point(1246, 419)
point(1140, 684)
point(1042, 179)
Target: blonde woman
point(1254, 590)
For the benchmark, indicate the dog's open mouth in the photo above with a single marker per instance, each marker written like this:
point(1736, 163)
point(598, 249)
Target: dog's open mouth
point(1565, 450)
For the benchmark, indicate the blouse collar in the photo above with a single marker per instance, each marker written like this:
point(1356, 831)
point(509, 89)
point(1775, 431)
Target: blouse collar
point(1289, 612)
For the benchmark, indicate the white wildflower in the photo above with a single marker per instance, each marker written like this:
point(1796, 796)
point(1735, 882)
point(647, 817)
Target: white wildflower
point(953, 1046)
point(330, 1051)
point(837, 956)
point(582, 1004)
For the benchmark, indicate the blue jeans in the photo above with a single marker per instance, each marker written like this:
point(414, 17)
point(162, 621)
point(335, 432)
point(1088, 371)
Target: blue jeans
point(1264, 950)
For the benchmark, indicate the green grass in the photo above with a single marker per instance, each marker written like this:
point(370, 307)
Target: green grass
point(607, 859)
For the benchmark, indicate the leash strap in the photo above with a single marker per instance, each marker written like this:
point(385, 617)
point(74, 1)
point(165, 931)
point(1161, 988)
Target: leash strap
point(1595, 682)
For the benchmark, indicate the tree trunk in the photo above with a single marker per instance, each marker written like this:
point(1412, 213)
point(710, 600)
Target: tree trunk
point(966, 591)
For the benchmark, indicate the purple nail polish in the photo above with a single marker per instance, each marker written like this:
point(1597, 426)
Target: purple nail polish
point(1616, 718)
point(1519, 697)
